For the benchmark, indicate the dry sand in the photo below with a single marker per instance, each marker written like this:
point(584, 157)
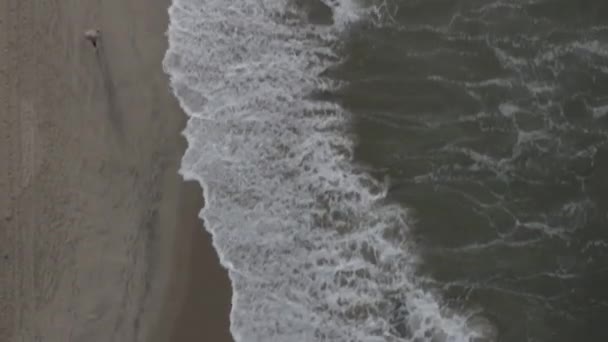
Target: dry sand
point(99, 239)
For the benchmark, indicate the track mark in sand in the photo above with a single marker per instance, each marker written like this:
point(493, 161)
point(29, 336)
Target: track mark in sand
point(28, 128)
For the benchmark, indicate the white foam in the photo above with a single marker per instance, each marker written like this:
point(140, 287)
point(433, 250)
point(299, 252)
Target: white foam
point(313, 252)
point(594, 47)
point(599, 111)
point(508, 109)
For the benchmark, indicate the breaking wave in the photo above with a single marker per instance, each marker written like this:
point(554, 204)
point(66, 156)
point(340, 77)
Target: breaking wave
point(314, 250)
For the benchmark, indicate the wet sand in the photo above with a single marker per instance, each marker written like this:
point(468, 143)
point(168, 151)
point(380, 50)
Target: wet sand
point(99, 235)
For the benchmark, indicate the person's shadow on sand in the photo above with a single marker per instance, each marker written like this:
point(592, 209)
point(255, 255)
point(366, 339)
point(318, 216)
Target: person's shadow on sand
point(114, 111)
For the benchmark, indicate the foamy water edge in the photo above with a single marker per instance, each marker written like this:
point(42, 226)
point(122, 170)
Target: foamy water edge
point(379, 272)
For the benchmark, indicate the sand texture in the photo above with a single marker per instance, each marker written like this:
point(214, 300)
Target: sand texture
point(99, 239)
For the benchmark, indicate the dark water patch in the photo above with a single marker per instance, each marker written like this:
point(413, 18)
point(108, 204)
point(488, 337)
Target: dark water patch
point(577, 14)
point(316, 11)
point(488, 119)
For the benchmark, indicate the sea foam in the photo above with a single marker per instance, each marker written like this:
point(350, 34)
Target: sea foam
point(314, 250)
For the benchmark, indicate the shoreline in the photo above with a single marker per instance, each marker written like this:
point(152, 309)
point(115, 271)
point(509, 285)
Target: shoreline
point(100, 237)
point(203, 284)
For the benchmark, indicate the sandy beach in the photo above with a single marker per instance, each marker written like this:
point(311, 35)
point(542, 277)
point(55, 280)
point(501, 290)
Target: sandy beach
point(99, 235)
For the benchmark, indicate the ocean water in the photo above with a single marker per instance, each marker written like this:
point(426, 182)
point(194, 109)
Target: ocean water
point(401, 170)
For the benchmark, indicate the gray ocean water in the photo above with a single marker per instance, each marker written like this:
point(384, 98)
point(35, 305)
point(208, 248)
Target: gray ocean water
point(402, 170)
point(490, 119)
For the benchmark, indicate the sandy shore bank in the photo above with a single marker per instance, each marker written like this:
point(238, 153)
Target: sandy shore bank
point(99, 237)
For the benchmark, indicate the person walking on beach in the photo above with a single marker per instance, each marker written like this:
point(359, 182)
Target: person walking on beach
point(93, 36)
